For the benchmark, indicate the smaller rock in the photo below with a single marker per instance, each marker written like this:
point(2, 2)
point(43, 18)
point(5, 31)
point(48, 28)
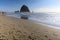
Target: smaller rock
point(24, 17)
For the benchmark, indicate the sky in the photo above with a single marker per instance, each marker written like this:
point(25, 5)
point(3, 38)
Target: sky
point(33, 5)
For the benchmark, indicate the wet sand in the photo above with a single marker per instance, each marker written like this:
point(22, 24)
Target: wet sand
point(18, 29)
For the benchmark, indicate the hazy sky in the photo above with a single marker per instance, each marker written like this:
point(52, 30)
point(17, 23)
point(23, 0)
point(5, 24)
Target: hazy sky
point(34, 5)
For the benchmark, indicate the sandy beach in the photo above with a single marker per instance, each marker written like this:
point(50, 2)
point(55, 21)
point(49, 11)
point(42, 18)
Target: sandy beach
point(18, 29)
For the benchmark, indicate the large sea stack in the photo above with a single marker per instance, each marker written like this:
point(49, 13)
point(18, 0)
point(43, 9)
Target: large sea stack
point(24, 10)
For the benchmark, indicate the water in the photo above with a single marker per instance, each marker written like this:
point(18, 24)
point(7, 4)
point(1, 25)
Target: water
point(52, 19)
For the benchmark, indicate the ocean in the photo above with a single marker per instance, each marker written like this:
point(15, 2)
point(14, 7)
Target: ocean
point(52, 19)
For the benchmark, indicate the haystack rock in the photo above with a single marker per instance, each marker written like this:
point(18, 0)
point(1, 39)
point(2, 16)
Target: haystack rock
point(24, 11)
point(24, 8)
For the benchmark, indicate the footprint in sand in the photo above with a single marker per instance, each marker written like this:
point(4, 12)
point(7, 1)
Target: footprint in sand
point(41, 39)
point(49, 39)
point(3, 39)
point(30, 38)
point(46, 36)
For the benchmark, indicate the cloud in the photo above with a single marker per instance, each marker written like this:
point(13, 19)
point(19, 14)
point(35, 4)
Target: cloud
point(47, 10)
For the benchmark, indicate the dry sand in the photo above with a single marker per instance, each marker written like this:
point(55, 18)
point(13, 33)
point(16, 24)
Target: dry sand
point(19, 29)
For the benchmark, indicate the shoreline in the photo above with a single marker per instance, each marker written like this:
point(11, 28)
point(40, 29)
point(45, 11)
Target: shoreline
point(47, 23)
point(38, 23)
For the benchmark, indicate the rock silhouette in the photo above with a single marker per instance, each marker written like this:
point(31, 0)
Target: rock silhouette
point(17, 11)
point(24, 8)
